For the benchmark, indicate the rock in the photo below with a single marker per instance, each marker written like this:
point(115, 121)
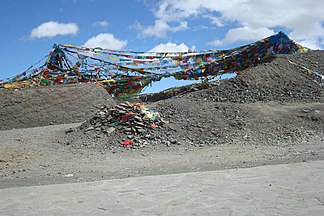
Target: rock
point(138, 118)
point(111, 110)
point(120, 108)
point(130, 136)
point(140, 130)
point(246, 136)
point(147, 136)
point(89, 129)
point(125, 105)
point(121, 112)
point(174, 141)
point(110, 130)
point(70, 130)
point(140, 124)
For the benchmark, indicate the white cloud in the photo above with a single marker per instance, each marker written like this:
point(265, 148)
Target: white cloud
point(103, 24)
point(312, 44)
point(107, 41)
point(303, 19)
point(160, 28)
point(215, 20)
point(52, 29)
point(170, 47)
point(243, 34)
point(182, 26)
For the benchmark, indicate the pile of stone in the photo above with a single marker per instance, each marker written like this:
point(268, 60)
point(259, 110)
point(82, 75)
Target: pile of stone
point(129, 118)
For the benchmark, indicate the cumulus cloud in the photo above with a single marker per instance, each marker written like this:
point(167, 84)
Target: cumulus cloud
point(107, 41)
point(103, 24)
point(303, 19)
point(243, 34)
point(215, 20)
point(170, 47)
point(160, 28)
point(312, 44)
point(52, 29)
point(182, 26)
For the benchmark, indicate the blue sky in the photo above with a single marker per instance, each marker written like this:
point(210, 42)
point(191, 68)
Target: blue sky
point(30, 28)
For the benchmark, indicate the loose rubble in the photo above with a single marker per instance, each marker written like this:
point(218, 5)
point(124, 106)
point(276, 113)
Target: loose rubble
point(127, 121)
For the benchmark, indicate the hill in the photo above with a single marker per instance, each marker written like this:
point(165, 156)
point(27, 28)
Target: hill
point(50, 105)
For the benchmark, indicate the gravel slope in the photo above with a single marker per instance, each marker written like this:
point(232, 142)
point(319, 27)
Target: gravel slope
point(50, 105)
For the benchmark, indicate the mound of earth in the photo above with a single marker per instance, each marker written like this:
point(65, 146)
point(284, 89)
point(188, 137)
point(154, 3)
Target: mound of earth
point(288, 78)
point(285, 78)
point(51, 105)
point(275, 103)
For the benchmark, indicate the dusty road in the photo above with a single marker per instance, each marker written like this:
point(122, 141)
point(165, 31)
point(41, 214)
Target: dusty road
point(285, 189)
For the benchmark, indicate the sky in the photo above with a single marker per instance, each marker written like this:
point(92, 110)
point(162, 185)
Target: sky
point(29, 28)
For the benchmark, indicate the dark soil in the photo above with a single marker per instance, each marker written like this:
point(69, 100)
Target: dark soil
point(50, 105)
point(278, 80)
